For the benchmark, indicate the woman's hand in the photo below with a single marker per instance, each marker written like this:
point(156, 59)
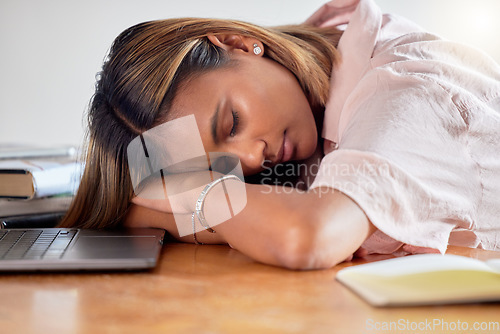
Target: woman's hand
point(176, 188)
point(174, 193)
point(140, 216)
point(178, 194)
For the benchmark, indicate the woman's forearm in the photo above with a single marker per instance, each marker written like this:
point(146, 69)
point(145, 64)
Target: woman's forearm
point(297, 229)
point(279, 225)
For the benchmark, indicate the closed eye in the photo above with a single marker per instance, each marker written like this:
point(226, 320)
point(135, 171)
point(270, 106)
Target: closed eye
point(236, 121)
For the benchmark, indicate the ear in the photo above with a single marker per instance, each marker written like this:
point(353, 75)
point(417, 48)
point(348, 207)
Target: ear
point(238, 43)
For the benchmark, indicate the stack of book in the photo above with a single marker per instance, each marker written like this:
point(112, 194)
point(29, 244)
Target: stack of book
point(36, 185)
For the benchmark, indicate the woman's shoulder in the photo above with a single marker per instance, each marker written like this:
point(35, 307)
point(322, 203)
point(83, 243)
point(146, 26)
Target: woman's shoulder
point(405, 119)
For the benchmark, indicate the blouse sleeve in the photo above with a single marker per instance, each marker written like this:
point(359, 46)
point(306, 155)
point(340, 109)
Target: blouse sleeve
point(393, 201)
point(402, 158)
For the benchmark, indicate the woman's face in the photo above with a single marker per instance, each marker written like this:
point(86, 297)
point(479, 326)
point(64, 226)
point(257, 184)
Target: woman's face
point(254, 109)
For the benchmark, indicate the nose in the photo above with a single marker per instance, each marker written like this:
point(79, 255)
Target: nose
point(252, 155)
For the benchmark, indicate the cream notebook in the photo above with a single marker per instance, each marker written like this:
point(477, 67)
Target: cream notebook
point(424, 279)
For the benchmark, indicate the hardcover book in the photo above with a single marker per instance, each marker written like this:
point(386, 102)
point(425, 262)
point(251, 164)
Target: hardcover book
point(26, 179)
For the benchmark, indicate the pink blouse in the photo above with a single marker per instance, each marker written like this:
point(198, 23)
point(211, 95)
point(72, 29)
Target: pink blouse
point(412, 132)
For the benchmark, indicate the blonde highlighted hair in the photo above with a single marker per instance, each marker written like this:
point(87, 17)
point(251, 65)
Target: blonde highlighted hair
point(140, 77)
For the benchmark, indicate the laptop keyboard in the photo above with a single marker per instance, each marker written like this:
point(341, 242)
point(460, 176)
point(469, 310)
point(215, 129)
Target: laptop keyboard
point(34, 244)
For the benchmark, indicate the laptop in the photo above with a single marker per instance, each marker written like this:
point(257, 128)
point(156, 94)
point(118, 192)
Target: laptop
point(69, 249)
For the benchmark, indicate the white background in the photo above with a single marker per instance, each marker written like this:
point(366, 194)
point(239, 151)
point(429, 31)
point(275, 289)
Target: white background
point(51, 50)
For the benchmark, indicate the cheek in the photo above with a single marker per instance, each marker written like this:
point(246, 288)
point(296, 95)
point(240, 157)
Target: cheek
point(308, 137)
point(308, 147)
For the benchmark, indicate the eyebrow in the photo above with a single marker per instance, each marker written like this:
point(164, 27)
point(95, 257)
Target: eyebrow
point(215, 122)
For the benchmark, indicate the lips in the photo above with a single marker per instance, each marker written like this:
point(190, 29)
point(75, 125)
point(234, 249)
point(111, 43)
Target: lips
point(286, 151)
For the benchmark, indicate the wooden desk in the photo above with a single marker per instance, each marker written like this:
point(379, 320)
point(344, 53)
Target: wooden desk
point(213, 289)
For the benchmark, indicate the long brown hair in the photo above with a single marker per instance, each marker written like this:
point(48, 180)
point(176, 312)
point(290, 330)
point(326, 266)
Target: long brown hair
point(145, 66)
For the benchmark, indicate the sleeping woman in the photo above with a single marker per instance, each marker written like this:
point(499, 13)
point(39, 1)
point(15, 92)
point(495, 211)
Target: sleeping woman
point(404, 128)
